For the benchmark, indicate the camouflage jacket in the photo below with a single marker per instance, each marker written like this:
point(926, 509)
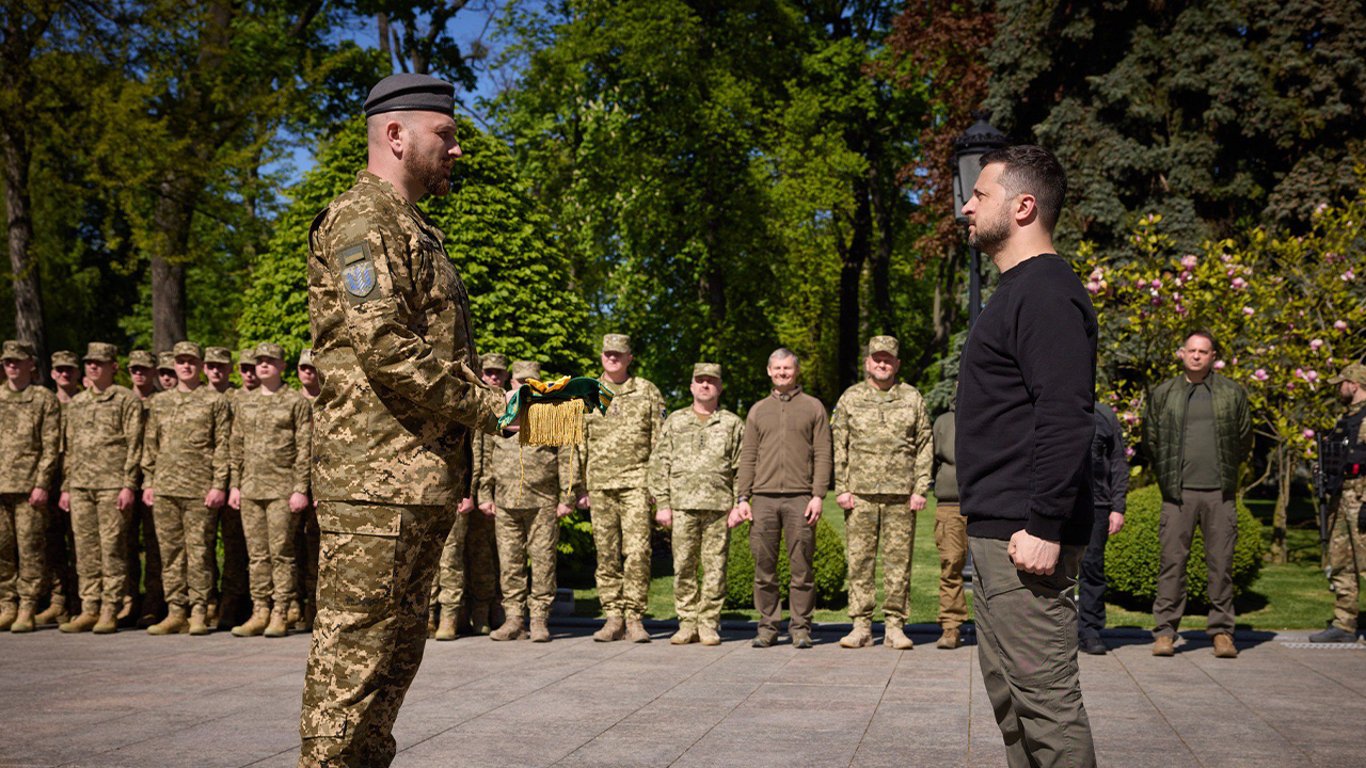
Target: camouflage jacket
point(694, 463)
point(185, 449)
point(146, 404)
point(883, 441)
point(393, 341)
point(617, 454)
point(516, 476)
point(271, 444)
point(29, 452)
point(102, 439)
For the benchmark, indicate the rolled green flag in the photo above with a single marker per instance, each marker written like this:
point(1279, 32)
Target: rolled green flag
point(554, 410)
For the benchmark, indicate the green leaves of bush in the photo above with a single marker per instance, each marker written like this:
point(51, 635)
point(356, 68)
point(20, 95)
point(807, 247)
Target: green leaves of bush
point(829, 565)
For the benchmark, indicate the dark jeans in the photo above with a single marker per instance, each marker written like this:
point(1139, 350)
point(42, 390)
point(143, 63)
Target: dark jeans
point(1091, 584)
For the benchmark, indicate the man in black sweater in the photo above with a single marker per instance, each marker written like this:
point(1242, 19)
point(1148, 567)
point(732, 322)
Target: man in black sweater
point(1025, 394)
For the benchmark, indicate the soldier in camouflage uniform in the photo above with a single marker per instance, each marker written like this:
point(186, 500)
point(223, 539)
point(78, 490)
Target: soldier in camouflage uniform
point(226, 612)
point(271, 457)
point(1347, 510)
point(166, 371)
point(884, 449)
point(692, 478)
point(61, 543)
point(526, 489)
point(392, 335)
point(306, 536)
point(143, 547)
point(185, 467)
point(246, 368)
point(28, 463)
point(102, 430)
point(616, 459)
point(466, 551)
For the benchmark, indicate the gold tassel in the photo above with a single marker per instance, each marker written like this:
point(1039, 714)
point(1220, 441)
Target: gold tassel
point(556, 422)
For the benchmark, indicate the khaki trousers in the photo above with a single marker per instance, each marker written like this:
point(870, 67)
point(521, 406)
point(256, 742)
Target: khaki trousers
point(144, 558)
point(701, 540)
point(951, 539)
point(1027, 645)
point(527, 534)
point(101, 533)
point(1218, 520)
point(186, 533)
point(374, 577)
point(269, 528)
point(884, 519)
point(22, 533)
point(779, 519)
point(621, 533)
point(448, 583)
point(1346, 554)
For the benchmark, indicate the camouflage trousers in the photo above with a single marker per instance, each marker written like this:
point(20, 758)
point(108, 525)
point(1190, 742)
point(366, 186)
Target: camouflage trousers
point(144, 558)
point(951, 539)
point(621, 534)
point(101, 533)
point(700, 542)
point(374, 575)
point(269, 528)
point(187, 534)
point(306, 543)
point(888, 520)
point(234, 553)
point(481, 559)
point(1347, 555)
point(22, 533)
point(448, 583)
point(527, 534)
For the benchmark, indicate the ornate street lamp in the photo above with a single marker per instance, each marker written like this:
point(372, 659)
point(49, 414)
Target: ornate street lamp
point(968, 149)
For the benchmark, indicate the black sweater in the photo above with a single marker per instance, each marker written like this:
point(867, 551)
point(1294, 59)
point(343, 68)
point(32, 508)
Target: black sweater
point(1025, 400)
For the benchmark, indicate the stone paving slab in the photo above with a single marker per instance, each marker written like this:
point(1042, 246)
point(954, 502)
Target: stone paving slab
point(134, 700)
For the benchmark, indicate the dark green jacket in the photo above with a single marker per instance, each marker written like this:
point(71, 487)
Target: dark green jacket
point(1164, 419)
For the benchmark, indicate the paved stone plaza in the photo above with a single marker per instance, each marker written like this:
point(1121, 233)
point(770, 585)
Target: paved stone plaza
point(134, 700)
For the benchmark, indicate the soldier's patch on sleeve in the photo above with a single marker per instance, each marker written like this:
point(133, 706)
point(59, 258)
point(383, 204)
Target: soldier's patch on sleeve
point(357, 272)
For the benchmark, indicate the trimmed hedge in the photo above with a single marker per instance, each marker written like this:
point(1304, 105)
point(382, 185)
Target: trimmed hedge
point(1132, 555)
point(829, 565)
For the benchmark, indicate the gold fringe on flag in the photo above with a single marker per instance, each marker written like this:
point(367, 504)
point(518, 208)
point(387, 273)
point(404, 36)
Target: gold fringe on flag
point(554, 422)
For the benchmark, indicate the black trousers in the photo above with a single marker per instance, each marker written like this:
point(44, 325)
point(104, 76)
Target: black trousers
point(1091, 583)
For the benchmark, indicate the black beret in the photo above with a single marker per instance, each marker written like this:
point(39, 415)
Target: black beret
point(410, 93)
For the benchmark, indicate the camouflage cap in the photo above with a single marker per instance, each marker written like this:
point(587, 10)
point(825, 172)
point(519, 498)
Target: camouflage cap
point(616, 342)
point(306, 358)
point(493, 360)
point(65, 359)
point(887, 344)
point(17, 350)
point(141, 358)
point(101, 352)
point(187, 348)
point(1354, 372)
point(166, 361)
point(526, 369)
point(246, 357)
point(218, 355)
point(706, 369)
point(269, 349)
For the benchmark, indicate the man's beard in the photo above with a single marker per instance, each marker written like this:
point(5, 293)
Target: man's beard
point(434, 174)
point(989, 235)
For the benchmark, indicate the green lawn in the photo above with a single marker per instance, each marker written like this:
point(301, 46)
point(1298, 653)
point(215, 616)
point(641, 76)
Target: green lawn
point(1290, 596)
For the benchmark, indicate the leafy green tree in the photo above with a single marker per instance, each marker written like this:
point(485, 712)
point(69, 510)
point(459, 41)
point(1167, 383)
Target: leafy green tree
point(521, 299)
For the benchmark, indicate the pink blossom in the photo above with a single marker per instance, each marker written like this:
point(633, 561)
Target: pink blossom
point(1218, 365)
point(1129, 453)
point(1239, 283)
point(1226, 258)
point(1320, 208)
point(1316, 344)
point(1330, 257)
point(1260, 374)
point(1097, 274)
point(1308, 434)
point(1156, 283)
point(1348, 276)
point(1340, 325)
point(1311, 376)
point(1189, 261)
point(1249, 311)
point(1092, 287)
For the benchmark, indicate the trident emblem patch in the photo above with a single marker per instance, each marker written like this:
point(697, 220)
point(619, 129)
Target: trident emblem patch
point(359, 278)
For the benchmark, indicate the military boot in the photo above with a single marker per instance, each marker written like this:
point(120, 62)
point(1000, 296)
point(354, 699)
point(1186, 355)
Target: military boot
point(83, 623)
point(861, 637)
point(431, 622)
point(279, 622)
point(540, 631)
point(611, 631)
point(635, 631)
point(480, 621)
point(173, 624)
point(210, 612)
point(199, 620)
point(685, 634)
point(125, 608)
point(7, 615)
point(708, 635)
point(446, 629)
point(260, 616)
point(55, 613)
point(949, 640)
point(511, 630)
point(109, 620)
point(310, 612)
point(23, 620)
point(894, 637)
point(295, 612)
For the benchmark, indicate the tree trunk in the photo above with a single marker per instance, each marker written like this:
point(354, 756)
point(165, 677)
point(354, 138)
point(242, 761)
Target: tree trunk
point(851, 270)
point(28, 298)
point(1278, 518)
point(175, 208)
point(882, 318)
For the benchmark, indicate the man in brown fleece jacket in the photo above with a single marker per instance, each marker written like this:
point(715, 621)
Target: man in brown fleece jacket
point(785, 462)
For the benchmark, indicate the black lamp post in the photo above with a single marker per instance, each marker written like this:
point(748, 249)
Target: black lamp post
point(968, 149)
